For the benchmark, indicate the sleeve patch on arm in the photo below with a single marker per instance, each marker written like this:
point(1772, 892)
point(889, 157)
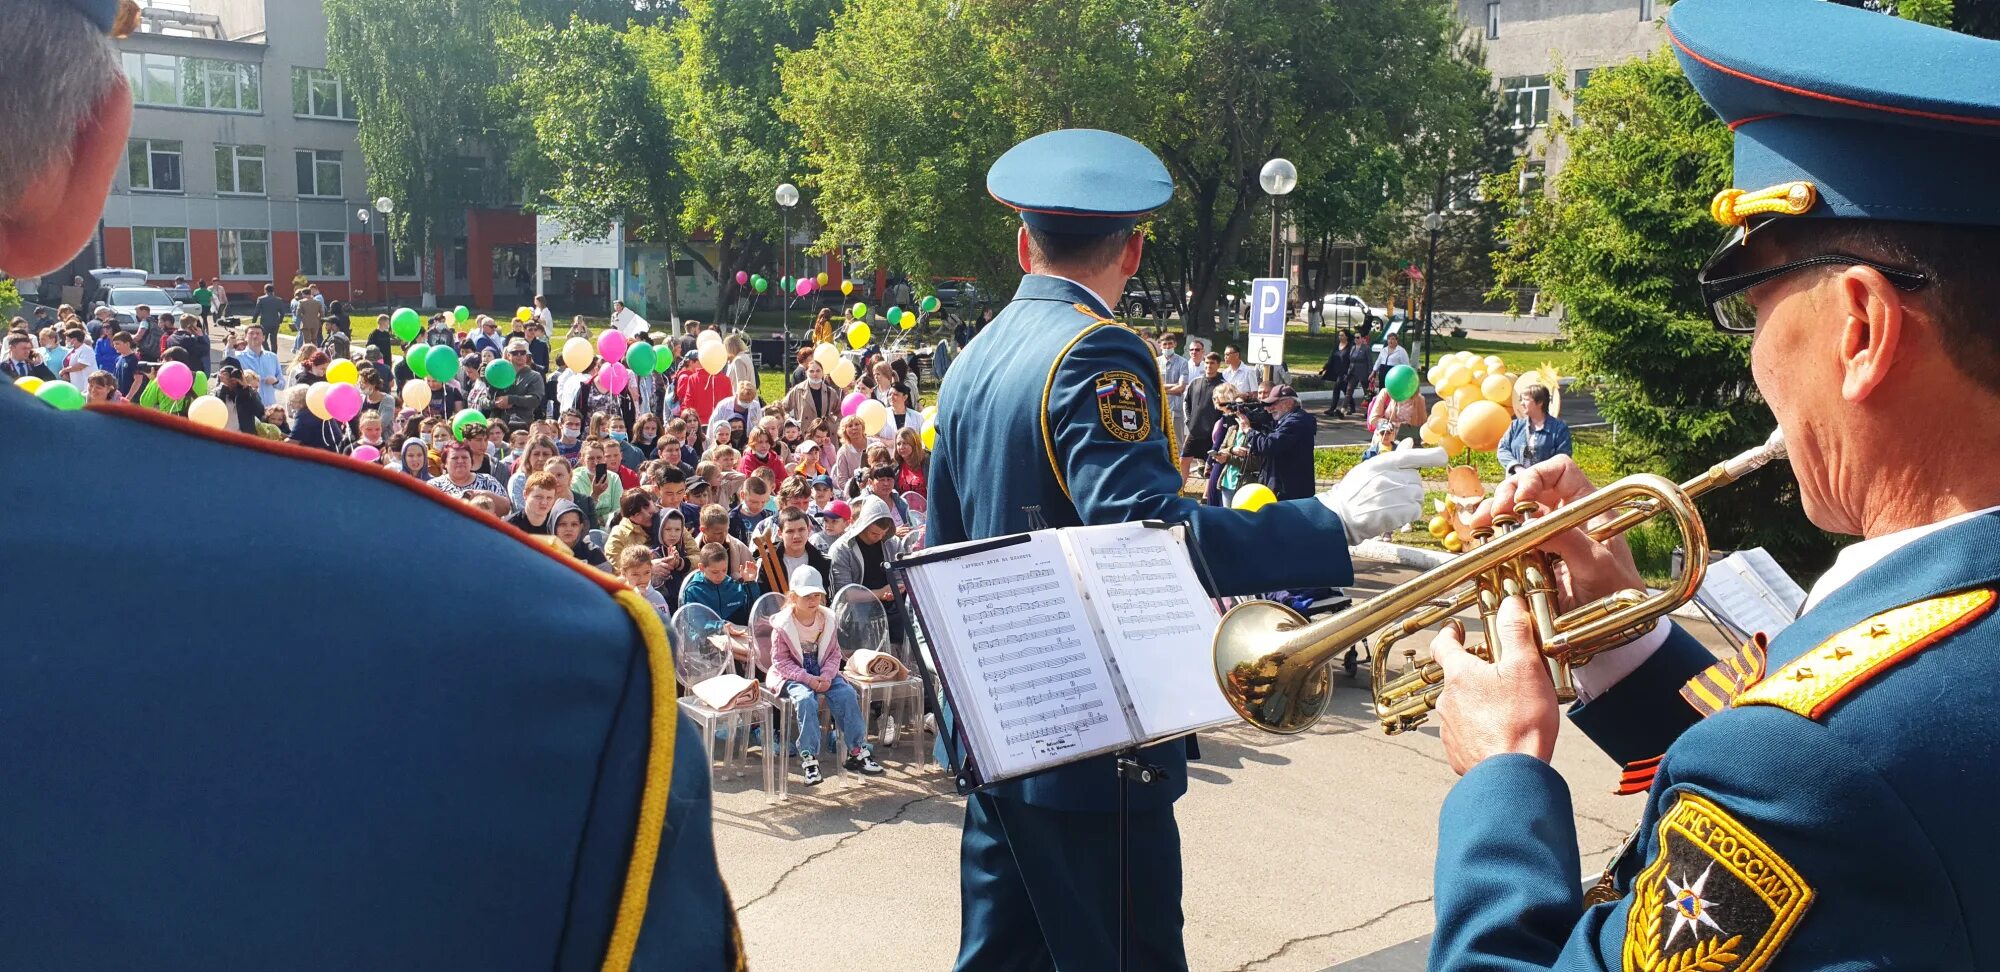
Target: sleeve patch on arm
point(1714, 899)
point(1121, 406)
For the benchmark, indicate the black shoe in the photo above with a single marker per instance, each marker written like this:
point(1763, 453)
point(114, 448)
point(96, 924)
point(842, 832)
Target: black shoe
point(864, 762)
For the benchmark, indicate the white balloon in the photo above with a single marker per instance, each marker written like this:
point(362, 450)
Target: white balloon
point(210, 411)
point(874, 415)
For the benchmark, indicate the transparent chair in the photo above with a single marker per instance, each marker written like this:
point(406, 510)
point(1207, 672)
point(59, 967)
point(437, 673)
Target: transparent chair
point(701, 652)
point(861, 622)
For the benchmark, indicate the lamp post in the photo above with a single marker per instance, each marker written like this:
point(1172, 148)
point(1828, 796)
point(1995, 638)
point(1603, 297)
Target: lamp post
point(1278, 177)
point(1432, 222)
point(788, 196)
point(364, 216)
point(385, 206)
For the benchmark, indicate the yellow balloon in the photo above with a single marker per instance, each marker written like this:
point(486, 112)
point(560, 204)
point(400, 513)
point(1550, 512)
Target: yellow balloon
point(1482, 423)
point(821, 278)
point(416, 395)
point(930, 415)
point(343, 372)
point(1494, 364)
point(1439, 526)
point(858, 335)
point(1454, 375)
point(316, 400)
point(578, 353)
point(1429, 435)
point(1466, 358)
point(842, 372)
point(524, 314)
point(826, 354)
point(1453, 543)
point(1477, 374)
point(706, 338)
point(30, 384)
point(1464, 395)
point(1435, 375)
point(1253, 497)
point(847, 288)
point(1452, 445)
point(929, 435)
point(1498, 389)
point(713, 358)
point(210, 411)
point(874, 415)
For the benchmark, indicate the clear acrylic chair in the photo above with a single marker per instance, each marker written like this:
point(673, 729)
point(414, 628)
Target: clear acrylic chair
point(701, 652)
point(861, 622)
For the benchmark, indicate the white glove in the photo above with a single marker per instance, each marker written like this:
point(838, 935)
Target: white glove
point(1383, 493)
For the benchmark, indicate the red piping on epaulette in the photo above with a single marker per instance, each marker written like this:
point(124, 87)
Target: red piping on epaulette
point(176, 423)
point(1740, 122)
point(1066, 212)
point(1860, 679)
point(1835, 99)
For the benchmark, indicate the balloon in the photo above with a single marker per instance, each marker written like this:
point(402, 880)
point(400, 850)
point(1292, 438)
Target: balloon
point(441, 363)
point(1498, 389)
point(821, 278)
point(713, 358)
point(470, 416)
point(842, 372)
point(500, 374)
point(847, 288)
point(803, 287)
point(577, 353)
point(343, 372)
point(742, 277)
point(893, 315)
point(524, 314)
point(415, 356)
point(1253, 497)
point(406, 324)
point(1451, 543)
point(316, 400)
point(210, 411)
point(663, 358)
point(858, 335)
point(1429, 435)
point(1401, 382)
point(611, 345)
point(461, 313)
point(367, 453)
point(1455, 374)
point(929, 304)
point(175, 379)
point(416, 395)
point(31, 384)
point(65, 397)
point(909, 320)
point(929, 437)
point(1452, 445)
point(1439, 526)
point(706, 338)
point(641, 358)
point(860, 312)
point(1482, 423)
point(1493, 363)
point(1465, 395)
point(852, 402)
point(343, 402)
point(930, 415)
point(873, 415)
point(614, 377)
point(759, 284)
point(826, 354)
point(1435, 375)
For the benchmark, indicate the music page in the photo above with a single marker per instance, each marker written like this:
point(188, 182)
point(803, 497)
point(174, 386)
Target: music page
point(1158, 622)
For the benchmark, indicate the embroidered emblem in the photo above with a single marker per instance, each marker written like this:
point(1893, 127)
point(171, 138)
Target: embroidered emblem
point(1714, 899)
point(1712, 690)
point(1121, 406)
point(1817, 680)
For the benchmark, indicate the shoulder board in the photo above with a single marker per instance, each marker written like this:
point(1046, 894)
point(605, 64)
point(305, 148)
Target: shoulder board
point(1815, 681)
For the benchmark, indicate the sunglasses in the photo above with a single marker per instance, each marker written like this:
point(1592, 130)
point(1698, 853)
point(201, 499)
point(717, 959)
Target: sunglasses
point(1728, 297)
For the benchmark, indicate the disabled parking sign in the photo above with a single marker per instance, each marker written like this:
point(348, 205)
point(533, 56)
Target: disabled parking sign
point(1267, 320)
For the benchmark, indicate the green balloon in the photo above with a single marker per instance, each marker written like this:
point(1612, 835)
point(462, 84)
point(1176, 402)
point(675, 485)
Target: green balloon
point(1401, 381)
point(663, 358)
point(893, 315)
point(461, 313)
point(470, 416)
point(441, 363)
point(929, 304)
point(860, 312)
point(500, 374)
point(414, 356)
point(406, 323)
point(759, 284)
point(641, 358)
point(61, 394)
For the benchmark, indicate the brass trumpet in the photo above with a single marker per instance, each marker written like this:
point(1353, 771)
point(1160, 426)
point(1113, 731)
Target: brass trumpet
point(1276, 669)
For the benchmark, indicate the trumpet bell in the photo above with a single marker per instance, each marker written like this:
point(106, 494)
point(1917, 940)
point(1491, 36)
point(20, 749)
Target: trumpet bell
point(1275, 691)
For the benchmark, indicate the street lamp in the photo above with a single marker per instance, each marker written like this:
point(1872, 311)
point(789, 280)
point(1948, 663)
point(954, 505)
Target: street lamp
point(385, 206)
point(364, 216)
point(788, 196)
point(1279, 177)
point(1433, 222)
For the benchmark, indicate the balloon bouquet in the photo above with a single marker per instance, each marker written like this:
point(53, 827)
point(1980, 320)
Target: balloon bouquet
point(1475, 407)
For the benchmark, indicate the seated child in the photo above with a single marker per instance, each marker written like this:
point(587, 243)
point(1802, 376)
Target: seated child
point(805, 669)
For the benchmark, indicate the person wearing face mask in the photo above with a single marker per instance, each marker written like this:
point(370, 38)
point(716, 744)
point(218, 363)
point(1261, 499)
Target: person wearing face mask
point(630, 454)
point(571, 440)
point(742, 406)
point(814, 398)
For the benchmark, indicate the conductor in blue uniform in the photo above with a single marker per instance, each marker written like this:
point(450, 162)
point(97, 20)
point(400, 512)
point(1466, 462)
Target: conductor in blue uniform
point(1823, 801)
point(1055, 418)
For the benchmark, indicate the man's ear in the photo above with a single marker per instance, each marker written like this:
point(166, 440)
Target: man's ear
point(1874, 328)
point(58, 211)
point(1128, 260)
point(1021, 249)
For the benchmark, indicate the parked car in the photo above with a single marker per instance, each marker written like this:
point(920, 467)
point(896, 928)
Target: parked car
point(957, 292)
point(124, 299)
point(1348, 310)
point(1142, 303)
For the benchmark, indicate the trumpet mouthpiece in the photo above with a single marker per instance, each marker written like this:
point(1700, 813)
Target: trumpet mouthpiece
point(1755, 459)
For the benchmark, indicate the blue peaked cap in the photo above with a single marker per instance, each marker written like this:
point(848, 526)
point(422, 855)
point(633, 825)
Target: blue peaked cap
point(103, 13)
point(1080, 181)
point(1882, 118)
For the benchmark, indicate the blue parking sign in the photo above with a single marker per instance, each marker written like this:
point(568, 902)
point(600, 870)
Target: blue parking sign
point(1267, 320)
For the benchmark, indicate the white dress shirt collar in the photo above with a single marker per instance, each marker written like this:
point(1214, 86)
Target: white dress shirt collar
point(1859, 557)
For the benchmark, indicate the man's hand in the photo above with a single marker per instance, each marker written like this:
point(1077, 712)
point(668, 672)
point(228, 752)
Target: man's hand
point(1384, 493)
point(1588, 570)
point(748, 572)
point(500, 402)
point(1493, 707)
point(886, 594)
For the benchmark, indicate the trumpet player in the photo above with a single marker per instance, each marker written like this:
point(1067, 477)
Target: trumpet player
point(1824, 801)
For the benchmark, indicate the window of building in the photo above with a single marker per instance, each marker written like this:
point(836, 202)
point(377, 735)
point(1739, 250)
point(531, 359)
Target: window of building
point(319, 93)
point(1534, 175)
point(165, 80)
point(1493, 20)
point(161, 251)
point(1582, 80)
point(1527, 99)
point(239, 169)
point(155, 165)
point(245, 252)
point(322, 254)
point(406, 262)
point(1462, 192)
point(319, 172)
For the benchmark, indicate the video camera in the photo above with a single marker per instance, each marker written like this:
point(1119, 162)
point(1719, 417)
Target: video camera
point(1259, 413)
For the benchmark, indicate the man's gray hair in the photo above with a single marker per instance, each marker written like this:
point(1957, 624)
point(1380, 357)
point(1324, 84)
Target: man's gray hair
point(58, 67)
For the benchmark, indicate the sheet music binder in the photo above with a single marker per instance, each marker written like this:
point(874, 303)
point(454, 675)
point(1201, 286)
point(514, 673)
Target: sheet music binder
point(1059, 645)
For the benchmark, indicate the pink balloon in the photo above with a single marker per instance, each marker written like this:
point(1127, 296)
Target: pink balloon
point(611, 346)
point(613, 378)
point(742, 277)
point(175, 379)
point(852, 402)
point(343, 402)
point(367, 453)
point(805, 287)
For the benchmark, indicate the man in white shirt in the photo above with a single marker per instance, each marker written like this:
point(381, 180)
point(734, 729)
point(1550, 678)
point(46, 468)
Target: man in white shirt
point(1235, 372)
point(1174, 374)
point(263, 363)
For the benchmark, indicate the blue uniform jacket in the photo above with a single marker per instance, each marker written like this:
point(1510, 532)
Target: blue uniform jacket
point(1057, 409)
point(1860, 838)
point(200, 777)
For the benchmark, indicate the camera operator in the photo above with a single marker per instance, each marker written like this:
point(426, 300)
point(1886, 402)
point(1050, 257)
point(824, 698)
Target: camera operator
point(1285, 445)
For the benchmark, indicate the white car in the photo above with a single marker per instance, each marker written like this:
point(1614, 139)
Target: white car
point(1347, 310)
point(124, 300)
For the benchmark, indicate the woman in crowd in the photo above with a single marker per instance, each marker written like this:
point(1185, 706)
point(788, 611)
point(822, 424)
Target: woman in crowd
point(569, 530)
point(597, 479)
point(912, 463)
point(459, 479)
point(246, 408)
point(805, 670)
point(761, 454)
point(1536, 435)
point(1230, 463)
point(1360, 361)
point(646, 434)
point(374, 397)
point(414, 459)
point(740, 368)
point(903, 414)
point(1408, 415)
point(540, 450)
point(822, 327)
point(368, 432)
point(852, 454)
point(312, 364)
point(814, 398)
point(1334, 372)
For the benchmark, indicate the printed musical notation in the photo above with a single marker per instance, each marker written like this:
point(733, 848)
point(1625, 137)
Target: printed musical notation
point(1029, 652)
point(1037, 698)
point(1038, 635)
point(982, 583)
point(1044, 715)
point(1065, 730)
point(998, 595)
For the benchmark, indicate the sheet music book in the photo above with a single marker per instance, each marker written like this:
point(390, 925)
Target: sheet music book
point(1747, 592)
point(1057, 645)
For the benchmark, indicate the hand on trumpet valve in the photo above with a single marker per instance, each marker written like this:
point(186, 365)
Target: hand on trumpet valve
point(1494, 707)
point(1586, 569)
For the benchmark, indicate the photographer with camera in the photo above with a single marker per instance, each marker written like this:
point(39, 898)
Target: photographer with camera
point(1280, 434)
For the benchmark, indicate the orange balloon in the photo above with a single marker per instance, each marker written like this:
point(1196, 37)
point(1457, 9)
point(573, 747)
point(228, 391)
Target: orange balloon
point(1482, 423)
point(1498, 389)
point(1465, 395)
point(1453, 445)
